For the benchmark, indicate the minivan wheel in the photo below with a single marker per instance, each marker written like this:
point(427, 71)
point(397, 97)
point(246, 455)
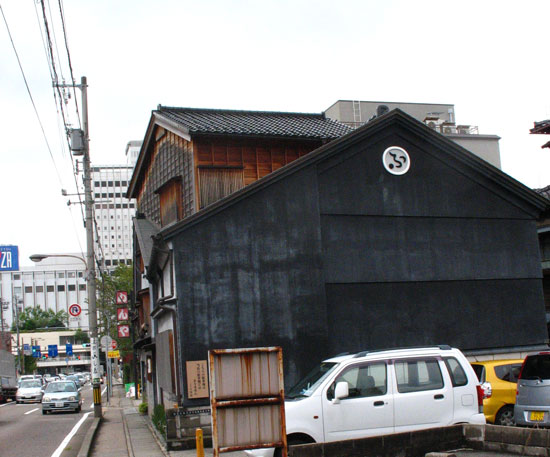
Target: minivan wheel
point(505, 416)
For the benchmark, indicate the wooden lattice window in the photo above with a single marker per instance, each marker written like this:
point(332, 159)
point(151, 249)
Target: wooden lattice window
point(170, 202)
point(216, 183)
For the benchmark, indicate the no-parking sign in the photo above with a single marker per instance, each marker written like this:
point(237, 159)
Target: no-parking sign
point(75, 310)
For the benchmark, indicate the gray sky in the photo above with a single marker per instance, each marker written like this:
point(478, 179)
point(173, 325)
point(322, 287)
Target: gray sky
point(485, 57)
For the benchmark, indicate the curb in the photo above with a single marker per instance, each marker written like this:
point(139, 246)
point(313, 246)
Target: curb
point(160, 441)
point(89, 438)
point(127, 434)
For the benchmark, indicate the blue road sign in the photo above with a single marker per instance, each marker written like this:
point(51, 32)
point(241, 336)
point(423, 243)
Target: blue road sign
point(52, 350)
point(9, 258)
point(36, 351)
point(69, 349)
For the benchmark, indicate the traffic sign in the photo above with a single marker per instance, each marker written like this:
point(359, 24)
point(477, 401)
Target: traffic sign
point(106, 341)
point(121, 297)
point(123, 331)
point(113, 354)
point(68, 349)
point(75, 310)
point(114, 345)
point(52, 350)
point(36, 352)
point(122, 314)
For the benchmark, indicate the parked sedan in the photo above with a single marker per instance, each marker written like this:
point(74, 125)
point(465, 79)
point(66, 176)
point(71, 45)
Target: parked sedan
point(61, 396)
point(29, 390)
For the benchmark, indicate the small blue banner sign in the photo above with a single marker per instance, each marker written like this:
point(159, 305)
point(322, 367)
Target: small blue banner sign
point(9, 258)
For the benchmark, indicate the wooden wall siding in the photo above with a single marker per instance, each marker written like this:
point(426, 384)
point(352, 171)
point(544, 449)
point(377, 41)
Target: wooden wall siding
point(257, 157)
point(170, 202)
point(216, 183)
point(172, 157)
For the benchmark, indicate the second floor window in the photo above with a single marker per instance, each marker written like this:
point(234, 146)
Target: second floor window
point(170, 202)
point(216, 183)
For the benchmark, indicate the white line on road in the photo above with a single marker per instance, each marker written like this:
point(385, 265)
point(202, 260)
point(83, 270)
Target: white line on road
point(7, 404)
point(31, 411)
point(64, 443)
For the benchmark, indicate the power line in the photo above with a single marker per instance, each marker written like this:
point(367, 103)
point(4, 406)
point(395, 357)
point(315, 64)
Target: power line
point(30, 95)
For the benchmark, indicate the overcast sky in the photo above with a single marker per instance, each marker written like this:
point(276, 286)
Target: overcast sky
point(485, 57)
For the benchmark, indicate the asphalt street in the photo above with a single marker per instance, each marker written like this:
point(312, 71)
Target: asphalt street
point(25, 431)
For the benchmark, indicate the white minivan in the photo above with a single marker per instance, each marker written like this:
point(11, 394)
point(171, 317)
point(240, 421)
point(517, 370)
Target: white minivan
point(381, 392)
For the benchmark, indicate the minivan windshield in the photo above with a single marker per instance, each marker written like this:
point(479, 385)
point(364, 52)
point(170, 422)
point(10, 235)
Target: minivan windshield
point(536, 367)
point(309, 383)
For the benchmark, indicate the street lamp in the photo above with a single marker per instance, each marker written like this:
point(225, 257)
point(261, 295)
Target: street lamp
point(92, 319)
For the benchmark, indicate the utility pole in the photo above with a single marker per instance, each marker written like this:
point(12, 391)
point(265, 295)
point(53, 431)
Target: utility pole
point(83, 149)
point(90, 256)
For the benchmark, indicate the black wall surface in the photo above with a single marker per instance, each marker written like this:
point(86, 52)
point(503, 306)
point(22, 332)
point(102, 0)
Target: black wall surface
point(340, 255)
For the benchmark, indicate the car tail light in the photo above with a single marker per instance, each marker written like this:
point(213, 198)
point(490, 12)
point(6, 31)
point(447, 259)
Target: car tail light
point(480, 394)
point(487, 390)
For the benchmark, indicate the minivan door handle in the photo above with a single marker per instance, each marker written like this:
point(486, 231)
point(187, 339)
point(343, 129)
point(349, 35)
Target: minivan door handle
point(439, 396)
point(379, 403)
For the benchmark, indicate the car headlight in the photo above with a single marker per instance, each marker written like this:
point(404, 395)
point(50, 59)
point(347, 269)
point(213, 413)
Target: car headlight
point(46, 399)
point(72, 398)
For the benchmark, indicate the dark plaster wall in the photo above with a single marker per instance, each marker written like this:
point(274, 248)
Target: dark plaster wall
point(342, 256)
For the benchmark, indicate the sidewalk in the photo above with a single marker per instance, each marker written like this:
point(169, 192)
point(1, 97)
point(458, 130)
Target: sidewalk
point(124, 432)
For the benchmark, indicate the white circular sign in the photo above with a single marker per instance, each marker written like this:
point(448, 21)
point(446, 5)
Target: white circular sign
point(106, 341)
point(396, 160)
point(75, 310)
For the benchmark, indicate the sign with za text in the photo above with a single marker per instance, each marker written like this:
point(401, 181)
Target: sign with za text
point(121, 297)
point(123, 330)
point(113, 354)
point(9, 258)
point(122, 314)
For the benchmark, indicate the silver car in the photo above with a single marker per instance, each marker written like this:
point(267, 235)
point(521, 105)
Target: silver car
point(29, 390)
point(533, 392)
point(61, 396)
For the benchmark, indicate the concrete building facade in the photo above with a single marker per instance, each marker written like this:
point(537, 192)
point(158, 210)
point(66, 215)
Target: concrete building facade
point(439, 117)
point(55, 283)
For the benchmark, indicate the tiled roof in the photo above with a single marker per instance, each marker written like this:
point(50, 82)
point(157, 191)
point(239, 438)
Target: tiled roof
point(541, 127)
point(264, 123)
point(544, 192)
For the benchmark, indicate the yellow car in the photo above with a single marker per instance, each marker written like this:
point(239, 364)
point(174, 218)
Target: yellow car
point(498, 379)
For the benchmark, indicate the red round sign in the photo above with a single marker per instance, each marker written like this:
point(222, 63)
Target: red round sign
point(114, 345)
point(75, 310)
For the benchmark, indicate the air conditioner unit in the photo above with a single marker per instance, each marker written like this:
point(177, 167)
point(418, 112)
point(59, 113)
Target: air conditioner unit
point(463, 129)
point(448, 128)
point(433, 122)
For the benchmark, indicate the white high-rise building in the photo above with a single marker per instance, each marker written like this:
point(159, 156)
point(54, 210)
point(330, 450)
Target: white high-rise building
point(113, 212)
point(55, 283)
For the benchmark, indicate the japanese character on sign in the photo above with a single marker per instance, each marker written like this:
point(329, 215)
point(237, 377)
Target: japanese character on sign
point(122, 314)
point(121, 297)
point(123, 331)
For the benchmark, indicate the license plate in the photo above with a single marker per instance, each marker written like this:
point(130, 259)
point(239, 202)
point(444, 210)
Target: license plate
point(59, 404)
point(537, 416)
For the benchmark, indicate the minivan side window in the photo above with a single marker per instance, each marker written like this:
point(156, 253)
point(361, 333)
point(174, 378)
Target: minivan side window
point(536, 367)
point(458, 376)
point(418, 375)
point(363, 381)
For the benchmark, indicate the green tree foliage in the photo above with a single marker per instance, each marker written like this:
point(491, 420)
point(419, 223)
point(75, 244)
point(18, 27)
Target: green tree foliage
point(37, 318)
point(120, 279)
point(81, 336)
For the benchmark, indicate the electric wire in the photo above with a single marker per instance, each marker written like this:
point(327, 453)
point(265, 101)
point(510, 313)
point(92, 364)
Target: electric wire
point(30, 96)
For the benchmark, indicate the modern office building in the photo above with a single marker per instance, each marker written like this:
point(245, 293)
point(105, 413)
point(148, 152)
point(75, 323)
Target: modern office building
point(113, 212)
point(56, 283)
point(439, 117)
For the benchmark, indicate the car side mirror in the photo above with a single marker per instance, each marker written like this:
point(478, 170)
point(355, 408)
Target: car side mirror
point(341, 391)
